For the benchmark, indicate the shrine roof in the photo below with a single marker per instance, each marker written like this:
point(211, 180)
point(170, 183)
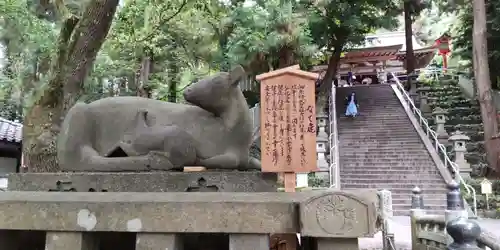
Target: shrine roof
point(371, 54)
point(418, 52)
point(292, 70)
point(10, 131)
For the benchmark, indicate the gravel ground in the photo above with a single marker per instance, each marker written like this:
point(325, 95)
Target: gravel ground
point(402, 235)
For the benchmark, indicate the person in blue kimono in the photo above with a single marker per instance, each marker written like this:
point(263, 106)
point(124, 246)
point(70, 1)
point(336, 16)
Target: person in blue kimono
point(352, 105)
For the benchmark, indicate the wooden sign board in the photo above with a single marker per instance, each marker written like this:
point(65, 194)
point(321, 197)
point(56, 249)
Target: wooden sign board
point(288, 120)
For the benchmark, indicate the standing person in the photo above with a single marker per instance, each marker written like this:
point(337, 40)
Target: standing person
point(349, 78)
point(352, 105)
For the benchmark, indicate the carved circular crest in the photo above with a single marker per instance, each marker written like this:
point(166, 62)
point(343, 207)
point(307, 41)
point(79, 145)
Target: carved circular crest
point(334, 215)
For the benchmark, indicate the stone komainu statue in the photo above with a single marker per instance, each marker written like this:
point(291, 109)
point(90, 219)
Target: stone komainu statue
point(139, 134)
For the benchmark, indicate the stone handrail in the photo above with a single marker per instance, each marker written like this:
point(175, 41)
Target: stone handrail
point(450, 231)
point(73, 220)
point(440, 148)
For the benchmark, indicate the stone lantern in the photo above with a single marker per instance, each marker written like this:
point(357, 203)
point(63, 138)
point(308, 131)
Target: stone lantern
point(440, 118)
point(423, 96)
point(322, 142)
point(458, 140)
point(322, 120)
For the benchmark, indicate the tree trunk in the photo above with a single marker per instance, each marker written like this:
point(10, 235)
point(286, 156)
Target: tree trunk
point(143, 89)
point(79, 42)
point(323, 91)
point(286, 58)
point(410, 56)
point(483, 82)
point(326, 84)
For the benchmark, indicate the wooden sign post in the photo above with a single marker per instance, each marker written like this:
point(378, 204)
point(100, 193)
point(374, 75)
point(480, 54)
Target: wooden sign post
point(288, 123)
point(288, 129)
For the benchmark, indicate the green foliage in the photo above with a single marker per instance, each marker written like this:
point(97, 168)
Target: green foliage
point(345, 22)
point(184, 40)
point(28, 43)
point(462, 36)
point(264, 33)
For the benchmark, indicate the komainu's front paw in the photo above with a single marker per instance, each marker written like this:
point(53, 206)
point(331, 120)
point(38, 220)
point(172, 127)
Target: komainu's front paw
point(159, 161)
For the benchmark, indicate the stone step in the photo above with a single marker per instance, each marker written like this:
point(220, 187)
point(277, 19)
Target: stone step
point(408, 186)
point(396, 152)
point(379, 126)
point(392, 177)
point(436, 195)
point(383, 145)
point(386, 172)
point(384, 160)
point(368, 122)
point(410, 170)
point(380, 136)
point(380, 154)
point(347, 140)
point(387, 181)
point(436, 202)
point(388, 165)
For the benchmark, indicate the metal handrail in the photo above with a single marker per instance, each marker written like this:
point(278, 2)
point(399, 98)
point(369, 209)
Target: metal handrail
point(334, 171)
point(440, 148)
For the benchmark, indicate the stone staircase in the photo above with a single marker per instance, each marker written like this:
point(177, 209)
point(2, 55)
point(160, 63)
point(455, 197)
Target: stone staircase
point(381, 149)
point(462, 114)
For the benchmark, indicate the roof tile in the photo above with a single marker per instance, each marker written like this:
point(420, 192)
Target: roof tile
point(11, 131)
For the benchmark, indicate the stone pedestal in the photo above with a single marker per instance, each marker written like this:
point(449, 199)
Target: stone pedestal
point(423, 96)
point(459, 142)
point(211, 181)
point(440, 118)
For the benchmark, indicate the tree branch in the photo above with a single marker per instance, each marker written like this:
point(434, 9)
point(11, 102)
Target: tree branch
point(165, 21)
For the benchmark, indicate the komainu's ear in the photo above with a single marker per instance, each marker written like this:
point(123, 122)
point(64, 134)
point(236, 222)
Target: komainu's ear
point(236, 74)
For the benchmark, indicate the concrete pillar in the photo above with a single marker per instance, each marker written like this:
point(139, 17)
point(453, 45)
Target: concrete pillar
point(440, 119)
point(71, 240)
point(423, 93)
point(459, 142)
point(158, 241)
point(248, 242)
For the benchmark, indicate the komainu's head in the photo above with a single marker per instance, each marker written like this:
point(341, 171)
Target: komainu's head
point(216, 93)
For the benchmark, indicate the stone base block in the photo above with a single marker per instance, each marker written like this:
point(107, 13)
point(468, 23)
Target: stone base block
point(205, 181)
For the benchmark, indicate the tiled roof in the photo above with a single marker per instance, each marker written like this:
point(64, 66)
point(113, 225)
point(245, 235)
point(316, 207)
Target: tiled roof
point(11, 131)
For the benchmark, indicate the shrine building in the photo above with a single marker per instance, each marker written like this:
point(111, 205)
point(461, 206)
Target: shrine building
point(382, 52)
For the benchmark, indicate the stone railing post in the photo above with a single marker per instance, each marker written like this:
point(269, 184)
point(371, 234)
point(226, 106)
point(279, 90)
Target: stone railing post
point(423, 96)
point(440, 118)
point(454, 205)
point(322, 145)
point(386, 212)
point(417, 209)
point(464, 233)
point(458, 139)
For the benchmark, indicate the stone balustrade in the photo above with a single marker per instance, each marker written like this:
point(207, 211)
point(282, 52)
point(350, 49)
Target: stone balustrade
point(77, 220)
point(453, 231)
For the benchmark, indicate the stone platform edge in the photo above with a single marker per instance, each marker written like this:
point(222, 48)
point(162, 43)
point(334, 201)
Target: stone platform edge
point(214, 181)
point(335, 214)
